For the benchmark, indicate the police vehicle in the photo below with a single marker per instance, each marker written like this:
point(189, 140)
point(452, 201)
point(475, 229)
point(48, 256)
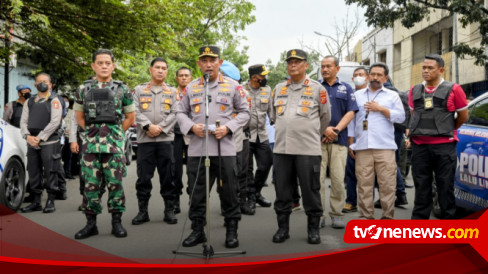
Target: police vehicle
point(13, 159)
point(471, 180)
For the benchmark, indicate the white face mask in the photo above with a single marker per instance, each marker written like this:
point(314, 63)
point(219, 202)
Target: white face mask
point(359, 81)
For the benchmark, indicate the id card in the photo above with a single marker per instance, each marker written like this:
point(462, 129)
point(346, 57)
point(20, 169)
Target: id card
point(428, 103)
point(365, 125)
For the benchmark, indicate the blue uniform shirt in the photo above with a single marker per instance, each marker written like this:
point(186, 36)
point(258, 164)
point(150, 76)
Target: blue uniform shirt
point(342, 100)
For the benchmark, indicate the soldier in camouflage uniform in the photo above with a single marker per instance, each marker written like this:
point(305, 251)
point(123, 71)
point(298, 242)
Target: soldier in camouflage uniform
point(99, 106)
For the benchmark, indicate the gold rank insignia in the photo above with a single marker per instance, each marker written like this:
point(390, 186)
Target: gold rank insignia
point(195, 86)
point(306, 82)
point(225, 85)
point(222, 107)
point(307, 93)
point(306, 103)
point(283, 92)
point(264, 101)
point(279, 109)
point(56, 105)
point(309, 89)
point(145, 106)
point(284, 88)
point(167, 92)
point(263, 93)
point(197, 109)
point(197, 90)
point(224, 89)
point(196, 100)
point(293, 53)
point(167, 101)
point(147, 91)
point(166, 106)
point(234, 115)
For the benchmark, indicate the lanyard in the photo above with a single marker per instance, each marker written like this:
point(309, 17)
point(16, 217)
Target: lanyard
point(367, 94)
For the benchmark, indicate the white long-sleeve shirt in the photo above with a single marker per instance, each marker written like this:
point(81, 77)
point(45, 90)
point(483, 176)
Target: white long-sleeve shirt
point(380, 133)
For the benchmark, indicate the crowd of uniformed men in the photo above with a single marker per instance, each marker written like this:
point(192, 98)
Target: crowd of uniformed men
point(318, 127)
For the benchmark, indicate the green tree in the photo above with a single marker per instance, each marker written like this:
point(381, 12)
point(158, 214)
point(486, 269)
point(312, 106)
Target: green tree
point(383, 13)
point(61, 35)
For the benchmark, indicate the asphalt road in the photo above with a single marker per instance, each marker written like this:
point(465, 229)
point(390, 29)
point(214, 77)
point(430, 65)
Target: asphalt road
point(157, 239)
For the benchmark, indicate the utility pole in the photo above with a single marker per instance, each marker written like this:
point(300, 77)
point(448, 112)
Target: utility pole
point(455, 37)
point(7, 65)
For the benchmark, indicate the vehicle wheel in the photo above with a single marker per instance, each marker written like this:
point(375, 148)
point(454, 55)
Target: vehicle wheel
point(12, 184)
point(128, 153)
point(436, 210)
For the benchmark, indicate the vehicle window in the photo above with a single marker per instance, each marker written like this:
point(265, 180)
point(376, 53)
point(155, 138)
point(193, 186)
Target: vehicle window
point(478, 113)
point(345, 74)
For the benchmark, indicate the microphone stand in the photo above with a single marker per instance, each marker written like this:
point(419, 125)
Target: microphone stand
point(208, 251)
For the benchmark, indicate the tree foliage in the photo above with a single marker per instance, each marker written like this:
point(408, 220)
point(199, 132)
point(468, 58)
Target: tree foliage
point(278, 72)
point(383, 13)
point(61, 35)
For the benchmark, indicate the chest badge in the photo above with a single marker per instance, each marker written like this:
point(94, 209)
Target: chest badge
point(145, 106)
point(197, 109)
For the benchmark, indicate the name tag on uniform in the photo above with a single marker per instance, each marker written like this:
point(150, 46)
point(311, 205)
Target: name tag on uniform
point(365, 125)
point(428, 103)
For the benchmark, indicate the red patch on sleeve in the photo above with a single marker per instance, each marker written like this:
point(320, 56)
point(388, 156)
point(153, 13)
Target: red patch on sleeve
point(323, 97)
point(56, 105)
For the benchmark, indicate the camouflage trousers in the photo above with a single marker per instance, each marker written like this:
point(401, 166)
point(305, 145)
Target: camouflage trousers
point(110, 167)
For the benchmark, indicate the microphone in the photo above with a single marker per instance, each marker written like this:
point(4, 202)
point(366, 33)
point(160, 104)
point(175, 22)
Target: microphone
point(206, 76)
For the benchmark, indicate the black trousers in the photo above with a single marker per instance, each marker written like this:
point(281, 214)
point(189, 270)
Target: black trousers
point(227, 188)
point(149, 157)
point(431, 162)
point(264, 160)
point(307, 169)
point(242, 163)
point(44, 163)
point(179, 149)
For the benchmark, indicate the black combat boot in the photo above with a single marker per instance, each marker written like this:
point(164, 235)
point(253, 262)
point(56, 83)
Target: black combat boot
point(169, 212)
point(90, 229)
point(262, 201)
point(197, 236)
point(251, 201)
point(176, 203)
point(401, 199)
point(231, 240)
point(35, 205)
point(313, 229)
point(245, 206)
point(117, 229)
point(142, 216)
point(49, 208)
point(283, 228)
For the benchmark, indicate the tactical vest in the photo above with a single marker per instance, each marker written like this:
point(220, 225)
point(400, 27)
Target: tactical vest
point(437, 121)
point(40, 116)
point(16, 114)
point(100, 104)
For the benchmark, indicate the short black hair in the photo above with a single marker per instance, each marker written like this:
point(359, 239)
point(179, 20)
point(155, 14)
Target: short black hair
point(381, 65)
point(360, 68)
point(103, 51)
point(336, 61)
point(158, 59)
point(182, 68)
point(45, 74)
point(437, 58)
